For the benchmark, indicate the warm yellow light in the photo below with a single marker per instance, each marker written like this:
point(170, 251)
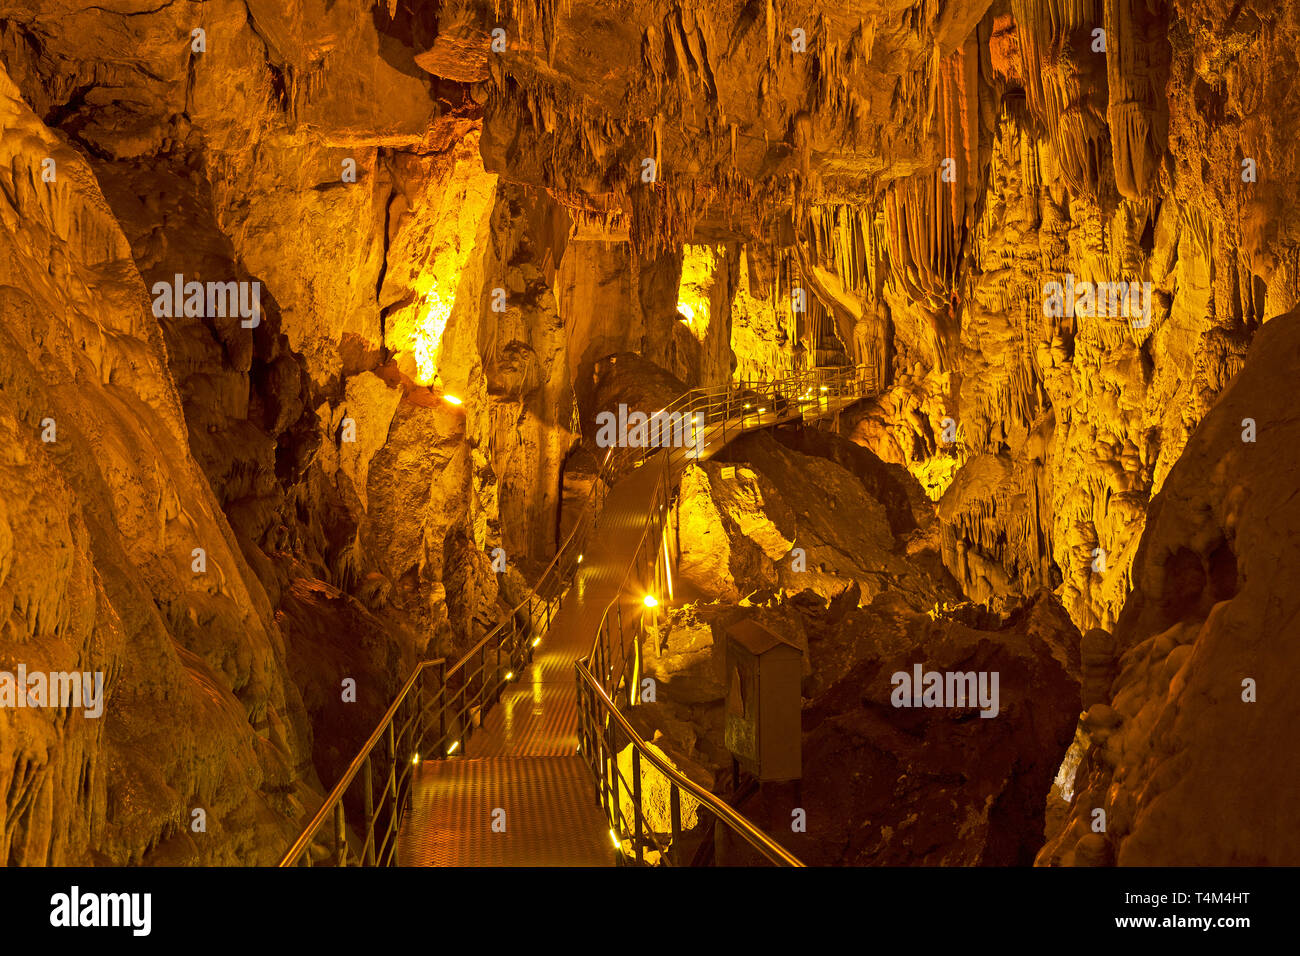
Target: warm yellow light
point(452, 400)
point(823, 388)
point(649, 601)
point(613, 836)
point(762, 410)
point(668, 566)
point(700, 264)
point(416, 760)
point(536, 641)
point(429, 328)
point(580, 559)
point(452, 749)
point(510, 675)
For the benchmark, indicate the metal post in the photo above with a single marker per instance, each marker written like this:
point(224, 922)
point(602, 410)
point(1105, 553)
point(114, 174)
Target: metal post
point(675, 811)
point(616, 816)
point(442, 707)
point(418, 730)
point(619, 605)
point(601, 640)
point(367, 783)
point(391, 789)
point(340, 836)
point(636, 803)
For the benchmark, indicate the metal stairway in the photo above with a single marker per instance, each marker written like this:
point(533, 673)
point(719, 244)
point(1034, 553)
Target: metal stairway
point(490, 762)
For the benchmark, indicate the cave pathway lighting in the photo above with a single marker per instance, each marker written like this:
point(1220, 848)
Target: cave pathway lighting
point(453, 400)
point(650, 601)
point(452, 749)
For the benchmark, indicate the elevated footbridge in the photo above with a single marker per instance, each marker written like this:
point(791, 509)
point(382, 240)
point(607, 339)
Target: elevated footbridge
point(511, 755)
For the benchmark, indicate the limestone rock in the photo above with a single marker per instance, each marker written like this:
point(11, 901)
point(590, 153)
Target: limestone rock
point(1186, 761)
point(737, 528)
point(882, 784)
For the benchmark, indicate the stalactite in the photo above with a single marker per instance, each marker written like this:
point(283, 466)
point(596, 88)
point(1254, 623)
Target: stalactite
point(1137, 66)
point(923, 244)
point(1064, 82)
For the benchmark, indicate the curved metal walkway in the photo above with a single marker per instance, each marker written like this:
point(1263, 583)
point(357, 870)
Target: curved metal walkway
point(492, 760)
point(521, 796)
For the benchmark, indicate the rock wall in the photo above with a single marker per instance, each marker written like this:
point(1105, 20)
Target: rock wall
point(104, 508)
point(1183, 763)
point(763, 518)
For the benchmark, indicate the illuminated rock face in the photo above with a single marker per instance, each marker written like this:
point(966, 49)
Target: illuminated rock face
point(764, 517)
point(104, 509)
point(1186, 731)
point(453, 232)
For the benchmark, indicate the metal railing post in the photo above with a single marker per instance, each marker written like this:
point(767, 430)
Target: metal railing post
point(617, 815)
point(367, 783)
point(620, 624)
point(442, 707)
point(636, 803)
point(417, 731)
point(391, 787)
point(675, 811)
point(340, 836)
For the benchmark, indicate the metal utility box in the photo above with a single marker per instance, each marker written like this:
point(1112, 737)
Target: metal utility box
point(762, 728)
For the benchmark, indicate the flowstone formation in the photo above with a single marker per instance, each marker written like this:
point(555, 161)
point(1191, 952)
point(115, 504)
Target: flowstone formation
point(1201, 656)
point(313, 305)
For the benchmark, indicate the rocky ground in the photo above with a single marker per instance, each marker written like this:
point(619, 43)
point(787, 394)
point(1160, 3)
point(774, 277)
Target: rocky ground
point(881, 784)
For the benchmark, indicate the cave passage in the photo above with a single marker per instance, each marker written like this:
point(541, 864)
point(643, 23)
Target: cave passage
point(589, 434)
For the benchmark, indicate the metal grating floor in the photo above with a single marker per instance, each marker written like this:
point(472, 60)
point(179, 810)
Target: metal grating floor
point(550, 814)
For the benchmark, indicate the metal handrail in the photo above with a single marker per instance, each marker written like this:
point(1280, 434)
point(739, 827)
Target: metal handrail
point(336, 795)
point(599, 715)
point(756, 837)
point(407, 742)
point(393, 792)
